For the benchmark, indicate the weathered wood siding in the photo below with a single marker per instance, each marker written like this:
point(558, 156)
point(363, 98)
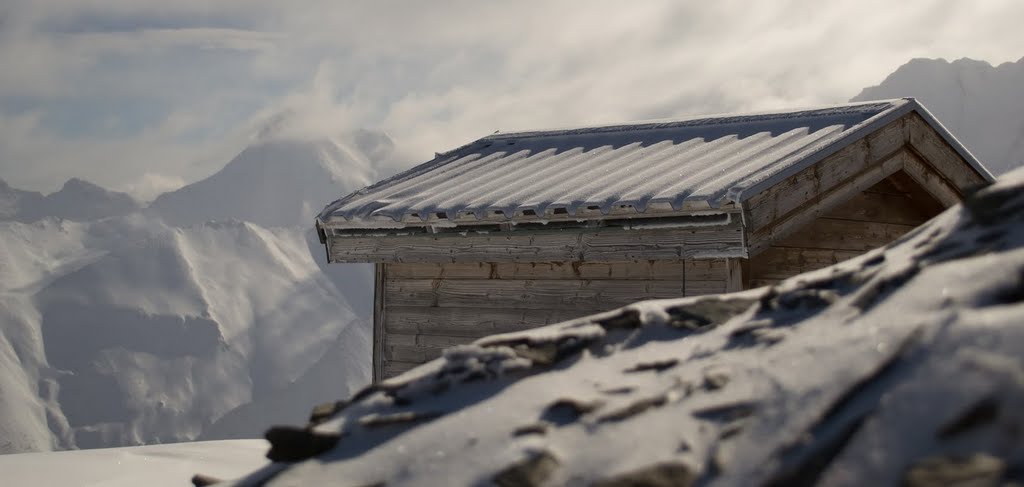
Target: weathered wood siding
point(583, 245)
point(866, 221)
point(431, 306)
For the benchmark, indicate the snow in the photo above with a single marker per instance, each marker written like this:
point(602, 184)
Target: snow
point(978, 102)
point(279, 182)
point(255, 327)
point(123, 329)
point(127, 331)
point(903, 364)
point(171, 465)
point(704, 162)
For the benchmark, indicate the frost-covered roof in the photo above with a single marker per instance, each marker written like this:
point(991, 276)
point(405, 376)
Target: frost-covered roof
point(904, 366)
point(651, 167)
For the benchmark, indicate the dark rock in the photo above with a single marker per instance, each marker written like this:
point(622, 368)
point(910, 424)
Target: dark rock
point(292, 444)
point(567, 410)
point(635, 408)
point(715, 379)
point(323, 412)
point(200, 480)
point(377, 420)
point(532, 471)
point(657, 366)
point(978, 470)
point(624, 319)
point(705, 313)
point(727, 412)
point(667, 474)
point(981, 413)
point(538, 428)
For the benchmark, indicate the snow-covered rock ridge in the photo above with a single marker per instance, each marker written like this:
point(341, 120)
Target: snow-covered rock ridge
point(77, 200)
point(905, 365)
point(983, 105)
point(126, 331)
point(206, 316)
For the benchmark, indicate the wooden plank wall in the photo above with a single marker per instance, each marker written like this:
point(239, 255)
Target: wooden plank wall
point(593, 245)
point(431, 306)
point(869, 220)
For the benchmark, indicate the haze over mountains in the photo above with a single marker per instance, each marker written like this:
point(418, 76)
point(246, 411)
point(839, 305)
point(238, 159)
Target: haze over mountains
point(77, 200)
point(279, 181)
point(207, 315)
point(983, 105)
point(212, 314)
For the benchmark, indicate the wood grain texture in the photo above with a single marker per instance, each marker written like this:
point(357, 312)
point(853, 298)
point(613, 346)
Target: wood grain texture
point(940, 155)
point(762, 237)
point(734, 275)
point(830, 233)
point(525, 293)
point(393, 368)
point(607, 245)
point(937, 186)
point(783, 262)
point(379, 308)
point(882, 207)
point(410, 353)
point(658, 270)
point(475, 322)
point(837, 169)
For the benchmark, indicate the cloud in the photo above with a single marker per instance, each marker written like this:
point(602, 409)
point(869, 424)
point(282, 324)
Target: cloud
point(114, 90)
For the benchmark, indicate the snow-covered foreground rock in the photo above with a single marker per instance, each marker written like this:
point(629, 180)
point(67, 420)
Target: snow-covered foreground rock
point(903, 365)
point(171, 465)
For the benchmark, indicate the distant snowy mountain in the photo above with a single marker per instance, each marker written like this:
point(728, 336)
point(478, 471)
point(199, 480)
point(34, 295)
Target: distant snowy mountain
point(279, 181)
point(904, 366)
point(983, 105)
point(77, 200)
point(207, 315)
point(127, 331)
point(12, 200)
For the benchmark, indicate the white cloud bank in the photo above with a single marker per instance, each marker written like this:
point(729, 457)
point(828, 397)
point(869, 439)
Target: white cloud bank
point(124, 92)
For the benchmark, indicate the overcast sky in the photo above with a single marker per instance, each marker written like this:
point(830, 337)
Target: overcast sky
point(144, 95)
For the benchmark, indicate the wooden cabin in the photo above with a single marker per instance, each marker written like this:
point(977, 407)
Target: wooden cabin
point(519, 230)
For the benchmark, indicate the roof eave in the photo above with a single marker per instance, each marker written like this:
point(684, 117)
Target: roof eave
point(950, 138)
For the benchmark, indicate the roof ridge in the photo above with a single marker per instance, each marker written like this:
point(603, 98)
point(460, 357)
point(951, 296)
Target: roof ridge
point(707, 119)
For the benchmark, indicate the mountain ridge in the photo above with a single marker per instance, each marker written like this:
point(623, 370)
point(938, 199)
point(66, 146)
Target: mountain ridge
point(981, 104)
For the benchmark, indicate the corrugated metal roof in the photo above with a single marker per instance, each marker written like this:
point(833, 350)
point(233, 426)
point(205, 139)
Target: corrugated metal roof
point(651, 168)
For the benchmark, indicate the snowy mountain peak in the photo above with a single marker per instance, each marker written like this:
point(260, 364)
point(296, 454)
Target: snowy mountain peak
point(280, 181)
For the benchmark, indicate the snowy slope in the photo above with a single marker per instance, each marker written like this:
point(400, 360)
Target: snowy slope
point(169, 465)
point(983, 105)
point(903, 365)
point(279, 181)
point(127, 331)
